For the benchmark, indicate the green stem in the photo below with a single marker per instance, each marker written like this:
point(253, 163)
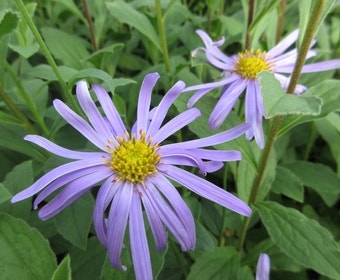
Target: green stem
point(250, 20)
point(280, 21)
point(29, 102)
point(161, 30)
point(16, 111)
point(309, 35)
point(90, 25)
point(67, 95)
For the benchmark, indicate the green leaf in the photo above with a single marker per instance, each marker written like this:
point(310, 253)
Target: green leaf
point(5, 118)
point(4, 194)
point(288, 184)
point(18, 179)
point(124, 12)
point(102, 75)
point(301, 238)
point(87, 264)
point(8, 22)
point(277, 102)
point(222, 263)
point(25, 253)
point(74, 222)
point(71, 50)
point(319, 177)
point(63, 272)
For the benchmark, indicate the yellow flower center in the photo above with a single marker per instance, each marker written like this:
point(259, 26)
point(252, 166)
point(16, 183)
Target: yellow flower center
point(249, 64)
point(133, 159)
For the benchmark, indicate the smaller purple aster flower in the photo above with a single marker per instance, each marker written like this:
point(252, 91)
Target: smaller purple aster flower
point(240, 74)
point(263, 267)
point(135, 171)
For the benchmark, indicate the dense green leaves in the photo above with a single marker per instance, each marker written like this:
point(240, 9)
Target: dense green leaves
point(24, 253)
point(301, 238)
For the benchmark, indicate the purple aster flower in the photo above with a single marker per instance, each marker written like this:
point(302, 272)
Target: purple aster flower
point(135, 172)
point(263, 267)
point(240, 73)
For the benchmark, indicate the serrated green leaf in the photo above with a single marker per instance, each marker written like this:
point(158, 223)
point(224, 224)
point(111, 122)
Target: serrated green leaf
point(25, 253)
point(8, 22)
point(288, 184)
point(71, 50)
point(319, 177)
point(222, 263)
point(4, 194)
point(277, 102)
point(63, 271)
point(301, 238)
point(124, 12)
point(74, 222)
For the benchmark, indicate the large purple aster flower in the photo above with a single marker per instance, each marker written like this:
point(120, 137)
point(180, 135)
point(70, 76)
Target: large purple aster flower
point(240, 73)
point(134, 170)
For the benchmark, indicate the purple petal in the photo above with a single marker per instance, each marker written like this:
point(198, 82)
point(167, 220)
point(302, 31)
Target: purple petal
point(226, 103)
point(218, 155)
point(139, 243)
point(208, 190)
point(321, 66)
point(60, 151)
point(117, 222)
point(80, 124)
point(144, 100)
point(56, 184)
point(55, 174)
point(182, 210)
point(104, 197)
point(263, 267)
point(284, 44)
point(72, 192)
point(176, 124)
point(91, 111)
point(216, 139)
point(250, 109)
point(110, 110)
point(170, 218)
point(163, 107)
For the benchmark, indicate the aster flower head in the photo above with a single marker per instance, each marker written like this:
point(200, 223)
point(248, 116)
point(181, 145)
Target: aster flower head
point(239, 73)
point(263, 267)
point(134, 171)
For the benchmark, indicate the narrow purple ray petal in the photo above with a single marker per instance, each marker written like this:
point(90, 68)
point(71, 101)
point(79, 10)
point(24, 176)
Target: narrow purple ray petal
point(184, 157)
point(208, 190)
point(110, 110)
point(226, 103)
point(117, 222)
point(263, 267)
point(91, 111)
point(227, 80)
point(55, 174)
point(176, 124)
point(170, 218)
point(104, 197)
point(284, 44)
point(72, 192)
point(60, 151)
point(218, 155)
point(80, 124)
point(56, 184)
point(163, 107)
point(205, 37)
point(218, 59)
point(138, 241)
point(197, 96)
point(144, 100)
point(321, 66)
point(216, 139)
point(259, 99)
point(213, 166)
point(155, 222)
point(289, 59)
point(250, 109)
point(177, 203)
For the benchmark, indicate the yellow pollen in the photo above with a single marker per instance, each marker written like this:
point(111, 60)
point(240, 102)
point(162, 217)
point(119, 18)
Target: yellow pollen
point(134, 159)
point(249, 64)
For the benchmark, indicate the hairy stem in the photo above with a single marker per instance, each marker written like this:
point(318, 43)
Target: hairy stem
point(161, 30)
point(280, 21)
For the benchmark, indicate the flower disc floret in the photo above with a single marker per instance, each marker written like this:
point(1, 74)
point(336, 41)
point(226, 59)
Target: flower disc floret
point(134, 159)
point(249, 64)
